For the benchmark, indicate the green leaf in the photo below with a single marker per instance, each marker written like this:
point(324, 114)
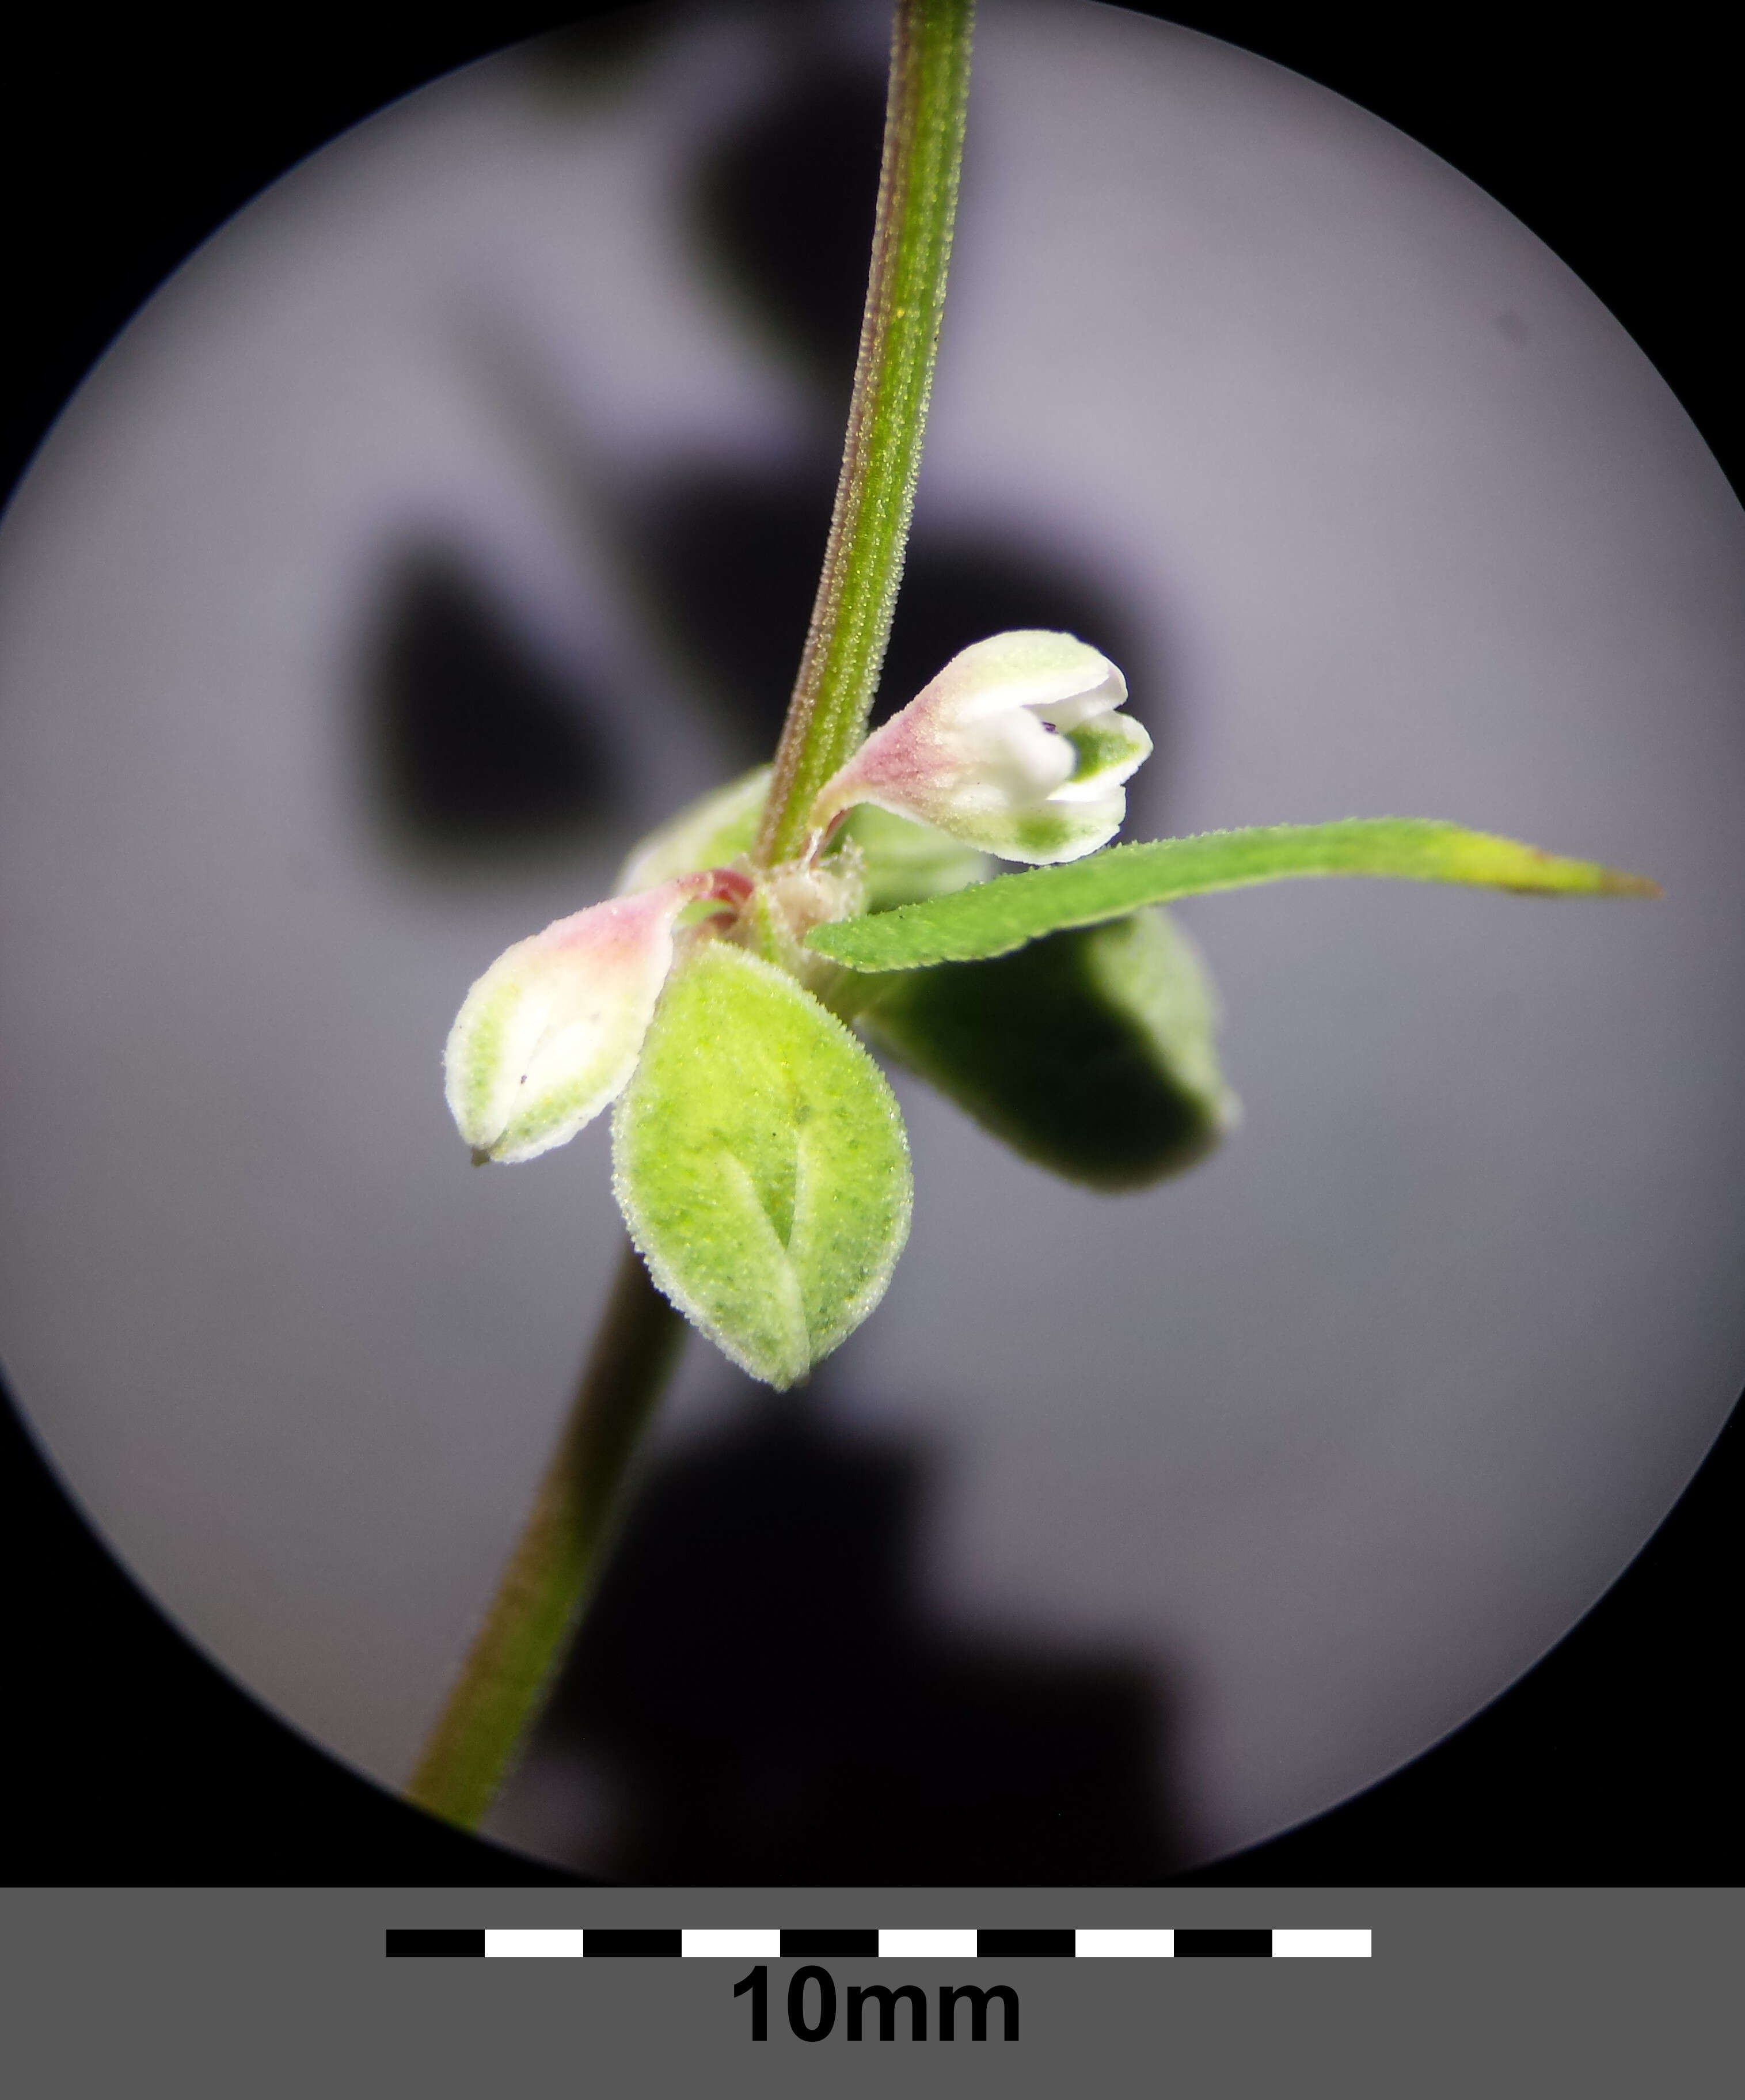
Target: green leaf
point(1091, 1053)
point(760, 1160)
point(995, 917)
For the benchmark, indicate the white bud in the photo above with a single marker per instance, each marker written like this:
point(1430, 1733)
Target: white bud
point(550, 1035)
point(1016, 747)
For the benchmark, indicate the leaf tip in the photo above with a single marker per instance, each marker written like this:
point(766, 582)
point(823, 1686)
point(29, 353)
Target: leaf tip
point(1618, 882)
point(1583, 879)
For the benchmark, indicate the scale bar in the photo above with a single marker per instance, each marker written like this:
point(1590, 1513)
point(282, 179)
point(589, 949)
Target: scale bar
point(900, 1943)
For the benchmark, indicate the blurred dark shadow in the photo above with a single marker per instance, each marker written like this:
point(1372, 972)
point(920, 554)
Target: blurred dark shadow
point(782, 210)
point(724, 564)
point(595, 57)
point(782, 207)
point(478, 746)
point(728, 563)
point(760, 1682)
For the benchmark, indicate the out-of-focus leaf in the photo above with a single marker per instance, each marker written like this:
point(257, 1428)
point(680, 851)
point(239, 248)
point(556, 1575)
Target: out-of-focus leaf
point(905, 861)
point(1090, 1052)
point(760, 1160)
point(993, 918)
point(709, 832)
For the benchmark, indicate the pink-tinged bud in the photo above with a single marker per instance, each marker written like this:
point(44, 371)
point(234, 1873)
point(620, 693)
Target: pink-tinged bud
point(550, 1035)
point(1016, 747)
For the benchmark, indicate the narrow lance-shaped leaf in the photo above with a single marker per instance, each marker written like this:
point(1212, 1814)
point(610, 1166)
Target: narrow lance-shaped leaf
point(759, 1161)
point(992, 918)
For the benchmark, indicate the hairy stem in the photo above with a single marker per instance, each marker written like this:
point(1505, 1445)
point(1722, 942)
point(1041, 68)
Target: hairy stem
point(905, 293)
point(517, 1650)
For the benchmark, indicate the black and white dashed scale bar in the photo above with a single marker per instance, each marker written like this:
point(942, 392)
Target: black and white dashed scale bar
point(922, 1943)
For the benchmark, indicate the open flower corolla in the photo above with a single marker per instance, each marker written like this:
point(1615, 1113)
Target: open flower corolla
point(1017, 746)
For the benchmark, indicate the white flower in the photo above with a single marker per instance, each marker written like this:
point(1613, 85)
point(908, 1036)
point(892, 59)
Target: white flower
point(550, 1035)
point(1016, 747)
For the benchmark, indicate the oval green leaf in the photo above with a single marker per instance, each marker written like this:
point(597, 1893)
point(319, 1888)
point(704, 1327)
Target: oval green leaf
point(760, 1163)
point(993, 918)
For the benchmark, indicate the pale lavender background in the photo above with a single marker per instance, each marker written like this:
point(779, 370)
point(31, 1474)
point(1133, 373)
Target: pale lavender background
point(1339, 1433)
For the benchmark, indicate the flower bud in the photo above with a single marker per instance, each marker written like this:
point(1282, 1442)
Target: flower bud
point(551, 1032)
point(1016, 747)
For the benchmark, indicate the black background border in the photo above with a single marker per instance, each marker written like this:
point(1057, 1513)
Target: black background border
point(126, 142)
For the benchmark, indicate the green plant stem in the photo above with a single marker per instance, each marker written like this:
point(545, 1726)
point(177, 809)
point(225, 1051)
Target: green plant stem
point(905, 293)
point(553, 1570)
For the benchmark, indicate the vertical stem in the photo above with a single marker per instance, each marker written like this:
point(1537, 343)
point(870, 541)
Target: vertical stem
point(905, 293)
point(551, 1572)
